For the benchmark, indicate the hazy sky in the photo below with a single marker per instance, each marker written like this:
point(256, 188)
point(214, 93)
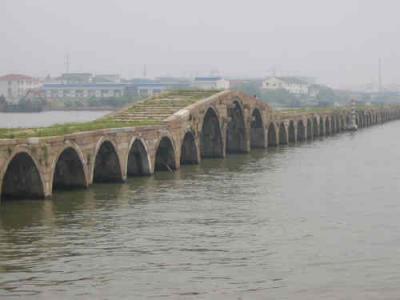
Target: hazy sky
point(337, 41)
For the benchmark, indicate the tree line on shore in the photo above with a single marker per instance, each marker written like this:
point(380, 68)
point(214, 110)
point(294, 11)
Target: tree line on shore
point(38, 104)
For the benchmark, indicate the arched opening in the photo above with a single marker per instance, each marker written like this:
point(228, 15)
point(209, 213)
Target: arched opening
point(138, 162)
point(361, 120)
point(257, 130)
point(22, 179)
point(165, 156)
point(292, 133)
point(338, 124)
point(315, 127)
point(342, 123)
point(327, 126)
point(69, 171)
point(348, 121)
point(210, 137)
point(333, 125)
point(107, 167)
point(321, 127)
point(310, 133)
point(272, 141)
point(236, 130)
point(189, 150)
point(301, 131)
point(283, 140)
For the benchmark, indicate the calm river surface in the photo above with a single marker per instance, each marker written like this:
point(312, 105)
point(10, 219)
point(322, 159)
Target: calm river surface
point(316, 221)
point(47, 118)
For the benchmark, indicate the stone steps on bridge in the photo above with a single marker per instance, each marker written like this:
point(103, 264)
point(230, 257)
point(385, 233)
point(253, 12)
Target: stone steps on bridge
point(161, 107)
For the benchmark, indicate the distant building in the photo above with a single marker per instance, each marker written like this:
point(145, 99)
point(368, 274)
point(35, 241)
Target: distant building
point(148, 88)
point(210, 83)
point(83, 85)
point(15, 86)
point(106, 78)
point(73, 78)
point(293, 85)
point(86, 90)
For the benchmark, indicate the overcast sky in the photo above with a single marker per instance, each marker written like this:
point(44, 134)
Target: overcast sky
point(337, 41)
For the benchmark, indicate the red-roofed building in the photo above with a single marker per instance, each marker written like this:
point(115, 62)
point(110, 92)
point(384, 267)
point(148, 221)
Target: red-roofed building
point(15, 86)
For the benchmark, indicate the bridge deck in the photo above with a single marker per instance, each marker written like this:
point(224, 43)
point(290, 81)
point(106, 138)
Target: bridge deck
point(161, 107)
point(149, 112)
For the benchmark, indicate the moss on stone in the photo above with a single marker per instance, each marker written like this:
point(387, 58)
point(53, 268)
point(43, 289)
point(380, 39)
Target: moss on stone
point(63, 129)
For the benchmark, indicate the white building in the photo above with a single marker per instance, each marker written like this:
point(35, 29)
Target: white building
point(293, 85)
point(15, 86)
point(210, 83)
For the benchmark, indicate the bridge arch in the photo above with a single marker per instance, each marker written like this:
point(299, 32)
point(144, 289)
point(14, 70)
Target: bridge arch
point(370, 119)
point(322, 127)
point(189, 152)
point(283, 135)
point(360, 120)
point(22, 178)
point(236, 139)
point(342, 123)
point(333, 125)
point(138, 162)
point(107, 163)
point(338, 124)
point(327, 126)
point(292, 132)
point(348, 120)
point(375, 115)
point(165, 159)
point(309, 132)
point(272, 136)
point(69, 169)
point(301, 131)
point(257, 130)
point(211, 145)
point(315, 127)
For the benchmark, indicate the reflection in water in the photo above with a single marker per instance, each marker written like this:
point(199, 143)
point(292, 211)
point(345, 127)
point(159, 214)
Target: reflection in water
point(319, 220)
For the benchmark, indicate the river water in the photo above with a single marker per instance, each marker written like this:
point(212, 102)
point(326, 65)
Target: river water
point(316, 221)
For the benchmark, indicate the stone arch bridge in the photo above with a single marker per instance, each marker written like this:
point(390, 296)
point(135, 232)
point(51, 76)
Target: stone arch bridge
point(188, 126)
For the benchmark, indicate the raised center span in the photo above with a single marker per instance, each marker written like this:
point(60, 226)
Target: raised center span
point(160, 134)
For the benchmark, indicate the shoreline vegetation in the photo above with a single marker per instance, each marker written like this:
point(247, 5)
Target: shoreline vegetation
point(37, 104)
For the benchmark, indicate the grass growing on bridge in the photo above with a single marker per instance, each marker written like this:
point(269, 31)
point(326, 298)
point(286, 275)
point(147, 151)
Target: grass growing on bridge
point(63, 129)
point(146, 113)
